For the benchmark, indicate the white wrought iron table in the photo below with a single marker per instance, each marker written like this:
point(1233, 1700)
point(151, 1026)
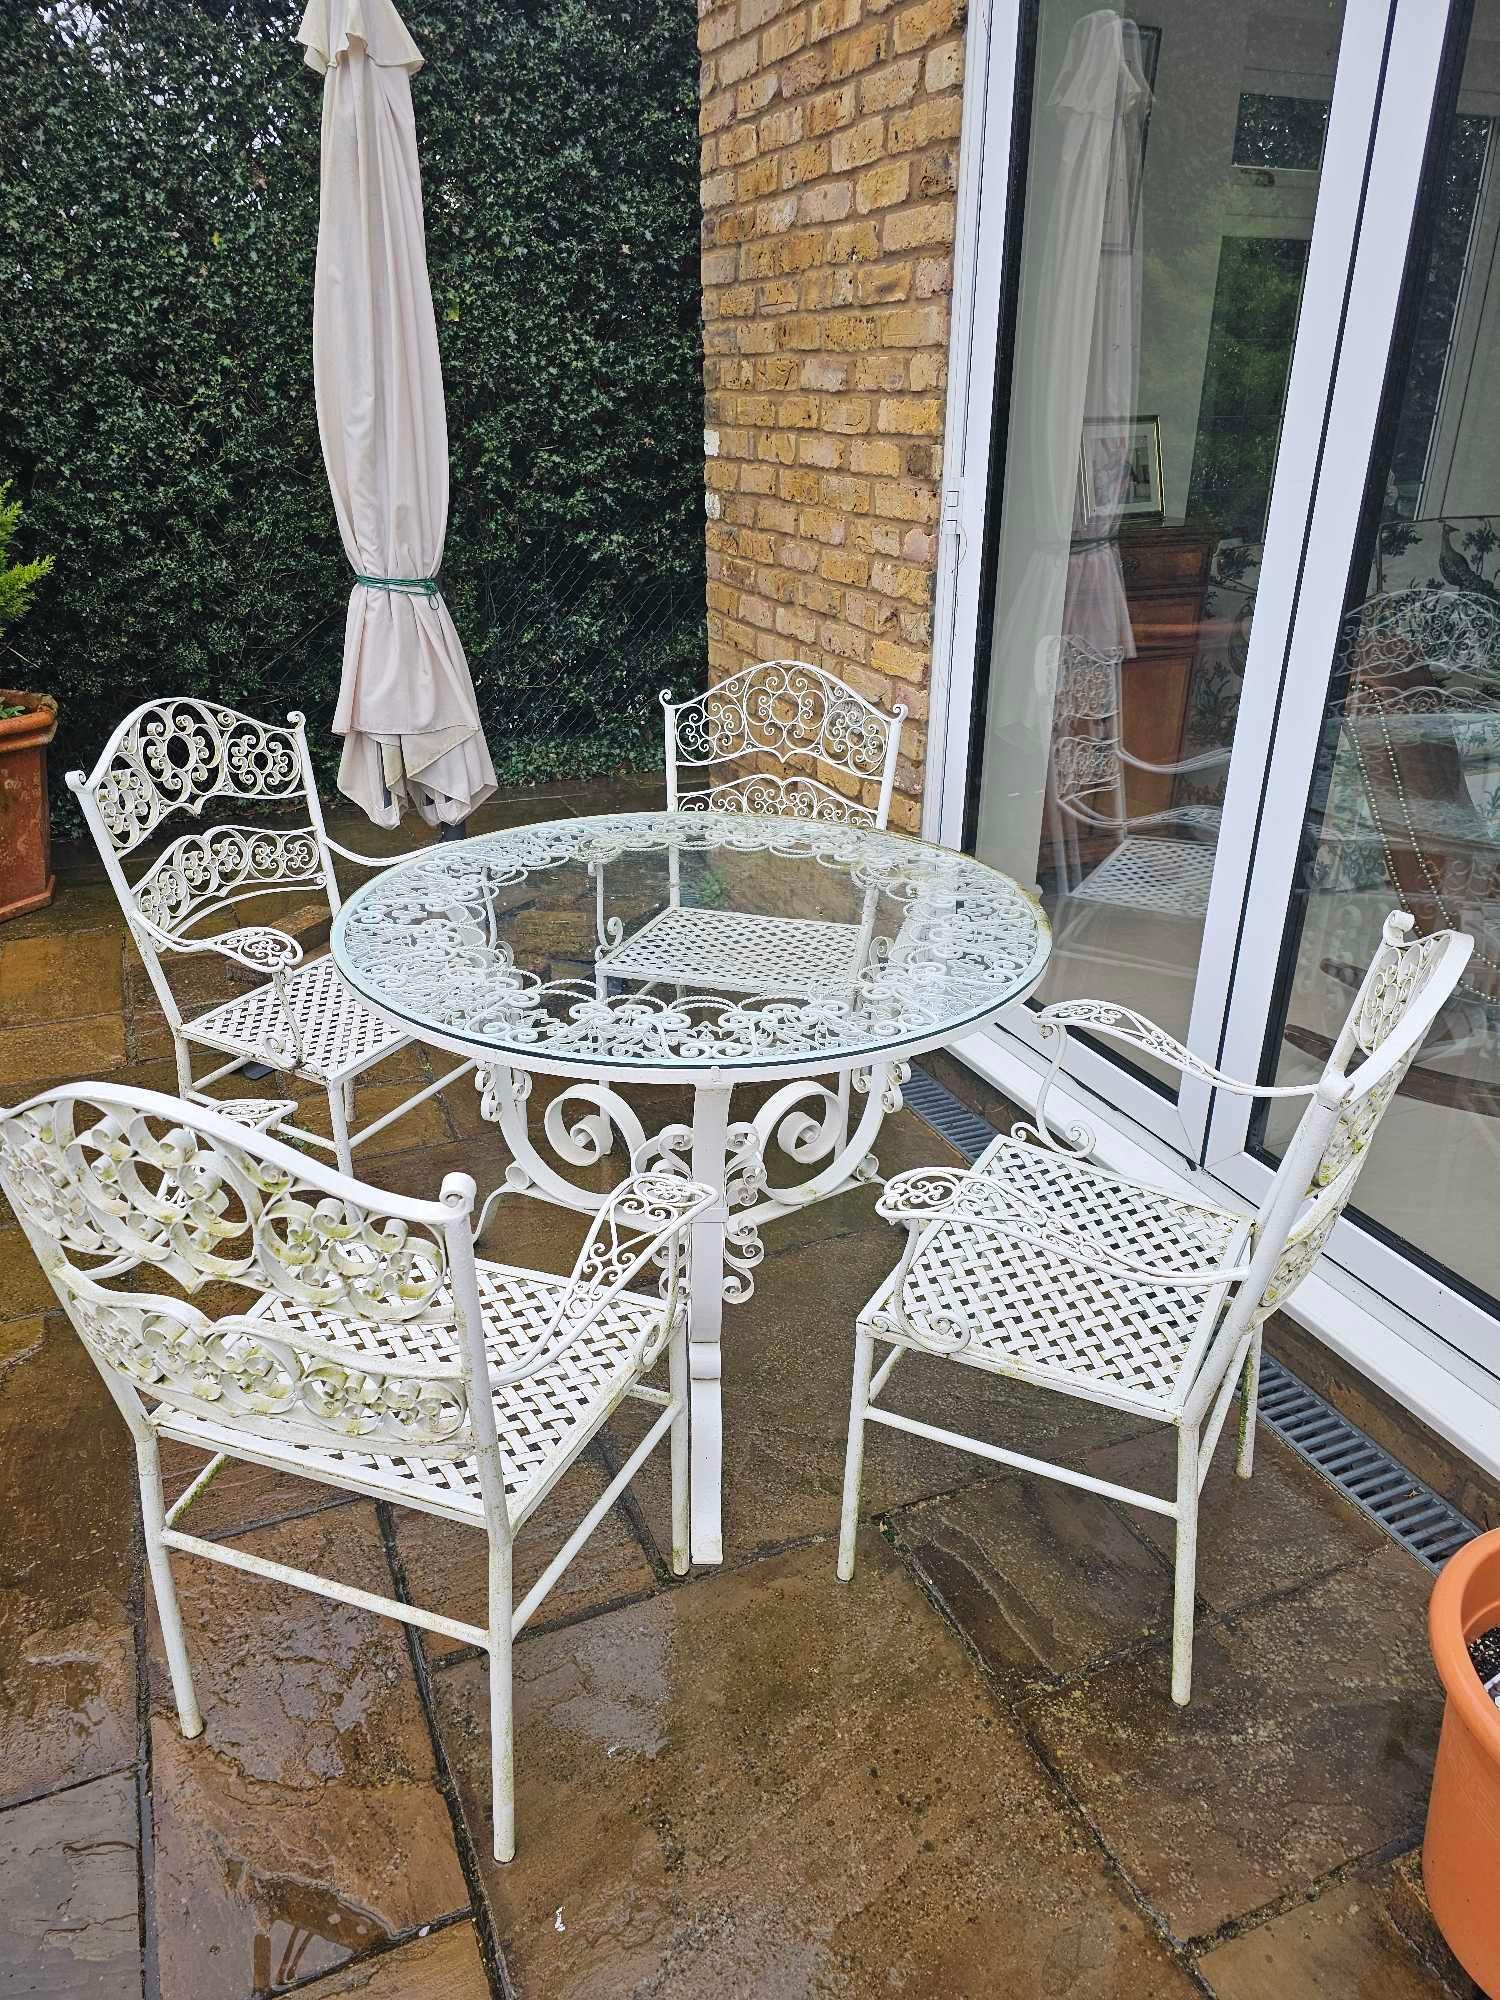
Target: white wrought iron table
point(813, 957)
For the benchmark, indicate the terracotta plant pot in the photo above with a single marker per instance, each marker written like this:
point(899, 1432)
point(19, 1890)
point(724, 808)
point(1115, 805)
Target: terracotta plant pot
point(25, 835)
point(1461, 1854)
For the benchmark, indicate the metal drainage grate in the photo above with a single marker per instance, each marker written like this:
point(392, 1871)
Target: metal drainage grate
point(951, 1119)
point(1411, 1513)
point(1408, 1509)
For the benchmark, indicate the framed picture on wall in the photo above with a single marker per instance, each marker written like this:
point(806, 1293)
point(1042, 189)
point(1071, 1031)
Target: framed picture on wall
point(1119, 470)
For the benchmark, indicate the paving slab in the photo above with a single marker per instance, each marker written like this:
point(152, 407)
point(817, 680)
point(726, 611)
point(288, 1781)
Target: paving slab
point(240, 1495)
point(446, 1561)
point(67, 1498)
point(1348, 1941)
point(96, 1047)
point(1281, 1527)
point(1045, 1580)
point(305, 1825)
point(763, 1785)
point(446, 1965)
point(69, 1921)
point(1308, 1743)
point(60, 976)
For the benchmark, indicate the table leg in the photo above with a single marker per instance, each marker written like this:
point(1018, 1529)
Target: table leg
point(705, 1322)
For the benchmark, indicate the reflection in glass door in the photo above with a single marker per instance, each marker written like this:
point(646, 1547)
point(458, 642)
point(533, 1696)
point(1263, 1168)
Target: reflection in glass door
point(1406, 795)
point(1173, 172)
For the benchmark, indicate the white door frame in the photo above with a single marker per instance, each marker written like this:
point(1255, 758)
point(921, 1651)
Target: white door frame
point(1413, 1332)
point(1323, 333)
point(1461, 1329)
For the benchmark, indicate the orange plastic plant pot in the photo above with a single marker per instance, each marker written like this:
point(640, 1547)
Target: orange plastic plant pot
point(1461, 1853)
point(25, 835)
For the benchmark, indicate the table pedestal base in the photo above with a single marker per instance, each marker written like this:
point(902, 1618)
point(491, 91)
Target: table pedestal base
point(583, 1124)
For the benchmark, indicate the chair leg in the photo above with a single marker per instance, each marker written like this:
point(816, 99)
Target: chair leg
point(153, 1515)
point(854, 1457)
point(502, 1724)
point(1184, 1595)
point(681, 1389)
point(1249, 1396)
point(338, 1113)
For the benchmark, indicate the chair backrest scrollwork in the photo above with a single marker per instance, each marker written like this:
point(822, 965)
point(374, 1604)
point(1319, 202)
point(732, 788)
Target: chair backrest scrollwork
point(1409, 981)
point(1087, 774)
point(179, 757)
point(783, 737)
point(114, 1185)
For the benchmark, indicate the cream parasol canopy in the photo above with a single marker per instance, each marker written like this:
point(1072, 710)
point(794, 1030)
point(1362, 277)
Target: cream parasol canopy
point(406, 711)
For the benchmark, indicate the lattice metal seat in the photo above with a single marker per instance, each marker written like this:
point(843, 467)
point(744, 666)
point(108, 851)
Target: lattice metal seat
point(357, 1340)
point(312, 1021)
point(542, 1422)
point(171, 757)
point(1154, 872)
point(730, 951)
point(1018, 1307)
point(1086, 799)
point(1041, 1265)
point(777, 739)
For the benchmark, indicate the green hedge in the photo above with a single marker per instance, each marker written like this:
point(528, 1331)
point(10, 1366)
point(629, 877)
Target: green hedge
point(158, 221)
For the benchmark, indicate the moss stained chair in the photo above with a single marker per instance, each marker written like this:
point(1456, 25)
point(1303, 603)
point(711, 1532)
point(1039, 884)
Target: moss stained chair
point(1041, 1266)
point(356, 1340)
point(182, 758)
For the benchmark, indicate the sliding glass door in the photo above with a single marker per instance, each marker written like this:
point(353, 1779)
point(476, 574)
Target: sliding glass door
point(1226, 655)
point(1175, 166)
point(1405, 799)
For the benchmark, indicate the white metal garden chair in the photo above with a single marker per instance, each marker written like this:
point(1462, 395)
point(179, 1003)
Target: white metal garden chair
point(767, 741)
point(1040, 1265)
point(180, 757)
point(1149, 867)
point(373, 1351)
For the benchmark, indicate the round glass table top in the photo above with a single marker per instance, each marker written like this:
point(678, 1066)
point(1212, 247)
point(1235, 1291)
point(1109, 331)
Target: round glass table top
point(689, 941)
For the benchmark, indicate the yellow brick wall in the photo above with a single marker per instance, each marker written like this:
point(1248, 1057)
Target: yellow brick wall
point(830, 152)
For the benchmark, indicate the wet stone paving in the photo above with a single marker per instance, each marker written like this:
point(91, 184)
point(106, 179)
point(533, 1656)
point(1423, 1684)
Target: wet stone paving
point(959, 1776)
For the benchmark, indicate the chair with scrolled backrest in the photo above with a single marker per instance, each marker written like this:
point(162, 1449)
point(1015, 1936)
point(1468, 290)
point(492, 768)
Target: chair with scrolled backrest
point(1041, 1265)
point(782, 719)
point(364, 1344)
point(1413, 737)
point(1146, 868)
point(772, 740)
point(184, 757)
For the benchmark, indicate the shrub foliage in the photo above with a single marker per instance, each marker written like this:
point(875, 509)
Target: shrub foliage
point(158, 224)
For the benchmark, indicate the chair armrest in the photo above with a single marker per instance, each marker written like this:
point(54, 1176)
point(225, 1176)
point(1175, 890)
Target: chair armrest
point(258, 947)
point(961, 1198)
point(1206, 760)
point(376, 860)
point(1124, 1024)
point(642, 1222)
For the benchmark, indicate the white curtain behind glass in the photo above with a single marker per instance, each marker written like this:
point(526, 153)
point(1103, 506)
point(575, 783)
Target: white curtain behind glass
point(1076, 355)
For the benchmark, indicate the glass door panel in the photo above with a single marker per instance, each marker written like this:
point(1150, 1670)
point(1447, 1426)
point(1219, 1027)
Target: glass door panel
point(1405, 807)
point(1172, 178)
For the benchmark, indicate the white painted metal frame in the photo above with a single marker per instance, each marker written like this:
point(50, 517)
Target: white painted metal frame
point(376, 1354)
point(1041, 1266)
point(791, 713)
point(1327, 326)
point(177, 756)
point(1452, 1332)
point(1415, 1334)
point(799, 718)
point(826, 1134)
